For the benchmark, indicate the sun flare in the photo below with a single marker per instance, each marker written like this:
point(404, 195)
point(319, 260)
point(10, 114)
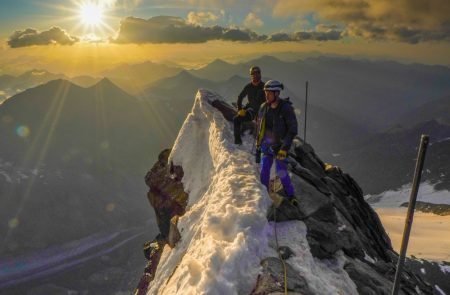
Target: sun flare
point(91, 14)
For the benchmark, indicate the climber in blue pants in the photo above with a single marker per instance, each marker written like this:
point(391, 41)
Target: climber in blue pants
point(277, 127)
point(281, 169)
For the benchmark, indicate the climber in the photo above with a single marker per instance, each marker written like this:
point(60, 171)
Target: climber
point(255, 95)
point(277, 127)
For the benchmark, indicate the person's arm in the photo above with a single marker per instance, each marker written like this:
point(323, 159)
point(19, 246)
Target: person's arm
point(291, 122)
point(241, 97)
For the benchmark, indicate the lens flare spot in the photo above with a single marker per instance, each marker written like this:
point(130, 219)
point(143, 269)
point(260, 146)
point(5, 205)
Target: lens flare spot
point(110, 207)
point(13, 222)
point(104, 145)
point(23, 131)
point(7, 119)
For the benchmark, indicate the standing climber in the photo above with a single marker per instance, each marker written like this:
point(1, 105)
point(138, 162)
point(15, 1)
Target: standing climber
point(255, 95)
point(277, 128)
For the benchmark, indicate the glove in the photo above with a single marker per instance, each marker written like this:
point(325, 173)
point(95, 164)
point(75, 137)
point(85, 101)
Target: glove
point(282, 154)
point(241, 113)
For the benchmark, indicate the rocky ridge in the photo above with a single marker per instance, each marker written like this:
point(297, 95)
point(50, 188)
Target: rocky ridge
point(340, 225)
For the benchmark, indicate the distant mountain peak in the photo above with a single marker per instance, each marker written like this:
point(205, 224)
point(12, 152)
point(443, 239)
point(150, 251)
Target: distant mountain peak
point(236, 78)
point(219, 62)
point(265, 58)
point(57, 82)
point(106, 83)
point(185, 73)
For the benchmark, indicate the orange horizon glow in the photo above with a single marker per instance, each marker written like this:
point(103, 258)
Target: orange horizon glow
point(93, 58)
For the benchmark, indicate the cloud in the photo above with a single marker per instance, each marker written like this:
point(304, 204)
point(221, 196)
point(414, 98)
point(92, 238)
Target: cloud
point(201, 17)
point(280, 37)
point(119, 3)
point(253, 21)
point(410, 21)
point(170, 29)
point(318, 36)
point(330, 35)
point(29, 37)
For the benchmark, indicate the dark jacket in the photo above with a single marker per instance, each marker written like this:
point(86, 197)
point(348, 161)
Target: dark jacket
point(284, 126)
point(255, 95)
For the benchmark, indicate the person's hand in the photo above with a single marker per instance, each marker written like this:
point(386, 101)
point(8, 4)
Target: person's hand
point(282, 154)
point(241, 113)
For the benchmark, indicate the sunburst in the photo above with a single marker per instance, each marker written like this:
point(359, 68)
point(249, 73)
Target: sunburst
point(91, 14)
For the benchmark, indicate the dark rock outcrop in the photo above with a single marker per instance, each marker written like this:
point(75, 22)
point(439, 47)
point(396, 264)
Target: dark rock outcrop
point(329, 202)
point(169, 200)
point(271, 280)
point(166, 194)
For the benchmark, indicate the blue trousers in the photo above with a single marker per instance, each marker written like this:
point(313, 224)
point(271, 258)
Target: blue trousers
point(281, 169)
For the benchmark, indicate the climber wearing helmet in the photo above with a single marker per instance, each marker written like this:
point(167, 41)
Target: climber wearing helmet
point(255, 95)
point(277, 127)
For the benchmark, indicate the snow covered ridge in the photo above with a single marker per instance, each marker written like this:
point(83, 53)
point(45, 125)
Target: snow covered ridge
point(394, 198)
point(227, 244)
point(224, 228)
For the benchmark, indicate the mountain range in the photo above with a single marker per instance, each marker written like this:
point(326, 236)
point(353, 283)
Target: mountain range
point(77, 148)
point(76, 153)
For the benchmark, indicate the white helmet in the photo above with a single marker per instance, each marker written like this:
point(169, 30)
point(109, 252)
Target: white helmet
point(273, 85)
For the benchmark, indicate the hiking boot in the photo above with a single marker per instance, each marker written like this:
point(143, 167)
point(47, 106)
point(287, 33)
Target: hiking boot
point(292, 200)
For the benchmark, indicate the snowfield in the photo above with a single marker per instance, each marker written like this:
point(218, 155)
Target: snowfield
point(225, 233)
point(394, 198)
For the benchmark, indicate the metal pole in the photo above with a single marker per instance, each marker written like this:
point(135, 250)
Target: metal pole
point(306, 111)
point(410, 214)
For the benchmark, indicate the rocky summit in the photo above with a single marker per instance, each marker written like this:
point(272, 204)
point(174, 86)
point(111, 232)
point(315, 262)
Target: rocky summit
point(329, 235)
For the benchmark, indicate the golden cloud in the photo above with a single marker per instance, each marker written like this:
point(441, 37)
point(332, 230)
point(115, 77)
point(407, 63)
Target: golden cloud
point(409, 21)
point(202, 17)
point(253, 21)
point(29, 37)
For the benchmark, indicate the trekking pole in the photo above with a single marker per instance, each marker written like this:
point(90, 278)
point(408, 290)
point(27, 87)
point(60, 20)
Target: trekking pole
point(306, 111)
point(410, 214)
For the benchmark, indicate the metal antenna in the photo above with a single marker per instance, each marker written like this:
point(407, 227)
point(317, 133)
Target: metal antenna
point(306, 111)
point(410, 215)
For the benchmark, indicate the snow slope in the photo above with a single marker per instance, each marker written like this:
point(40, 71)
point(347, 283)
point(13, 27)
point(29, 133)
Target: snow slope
point(394, 198)
point(225, 233)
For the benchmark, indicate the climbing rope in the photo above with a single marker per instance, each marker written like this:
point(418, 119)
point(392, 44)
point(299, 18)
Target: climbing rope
point(279, 252)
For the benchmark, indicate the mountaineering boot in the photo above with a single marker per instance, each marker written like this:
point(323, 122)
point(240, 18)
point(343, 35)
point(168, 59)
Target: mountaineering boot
point(294, 201)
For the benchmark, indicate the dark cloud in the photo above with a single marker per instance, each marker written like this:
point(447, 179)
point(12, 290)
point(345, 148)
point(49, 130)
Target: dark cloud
point(318, 36)
point(410, 21)
point(279, 37)
point(307, 35)
point(169, 29)
point(29, 37)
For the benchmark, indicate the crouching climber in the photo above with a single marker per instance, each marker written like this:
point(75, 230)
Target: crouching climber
point(277, 127)
point(255, 95)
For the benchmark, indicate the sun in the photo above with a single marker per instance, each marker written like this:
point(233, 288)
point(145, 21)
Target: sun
point(91, 14)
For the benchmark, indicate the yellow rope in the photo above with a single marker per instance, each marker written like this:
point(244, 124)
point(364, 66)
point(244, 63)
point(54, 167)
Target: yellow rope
point(279, 254)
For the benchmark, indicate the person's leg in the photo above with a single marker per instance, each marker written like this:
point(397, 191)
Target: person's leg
point(266, 164)
point(237, 125)
point(237, 120)
point(282, 172)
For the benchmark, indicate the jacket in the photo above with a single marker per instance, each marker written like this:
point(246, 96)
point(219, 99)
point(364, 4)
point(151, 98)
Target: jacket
point(284, 127)
point(255, 95)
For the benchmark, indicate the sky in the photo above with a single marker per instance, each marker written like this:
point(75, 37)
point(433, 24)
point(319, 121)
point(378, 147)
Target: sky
point(88, 36)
